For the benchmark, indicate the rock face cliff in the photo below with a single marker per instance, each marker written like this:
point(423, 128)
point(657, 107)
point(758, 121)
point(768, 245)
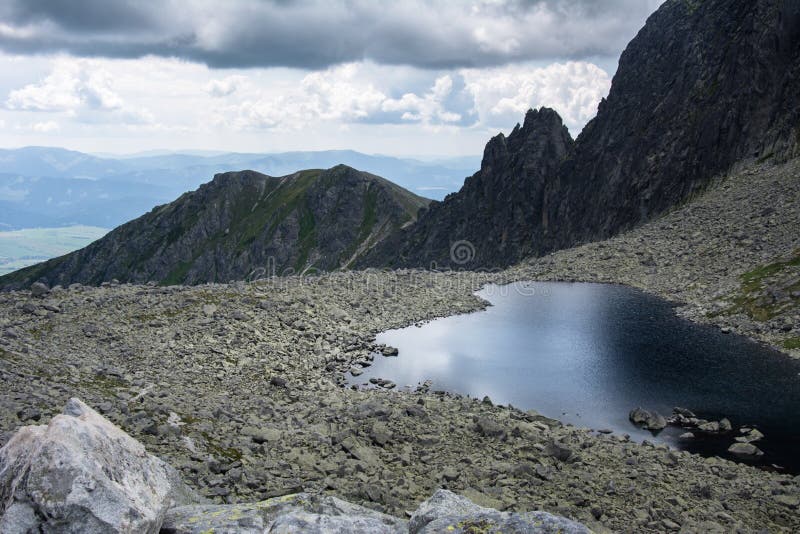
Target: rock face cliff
point(704, 85)
point(242, 224)
point(490, 220)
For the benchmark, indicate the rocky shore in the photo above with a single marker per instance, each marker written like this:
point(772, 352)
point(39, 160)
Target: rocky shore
point(240, 386)
point(730, 257)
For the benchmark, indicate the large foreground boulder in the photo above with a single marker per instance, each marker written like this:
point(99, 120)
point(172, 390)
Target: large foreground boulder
point(447, 512)
point(80, 473)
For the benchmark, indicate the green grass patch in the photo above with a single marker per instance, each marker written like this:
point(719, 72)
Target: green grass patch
point(225, 452)
point(766, 157)
point(368, 218)
point(270, 209)
point(751, 299)
point(307, 237)
point(792, 343)
point(178, 275)
point(692, 6)
point(108, 386)
point(370, 215)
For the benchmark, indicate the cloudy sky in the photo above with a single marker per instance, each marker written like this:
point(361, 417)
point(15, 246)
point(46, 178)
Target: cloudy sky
point(415, 77)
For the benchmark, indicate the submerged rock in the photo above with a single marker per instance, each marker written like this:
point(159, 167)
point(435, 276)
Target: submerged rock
point(80, 473)
point(745, 450)
point(390, 351)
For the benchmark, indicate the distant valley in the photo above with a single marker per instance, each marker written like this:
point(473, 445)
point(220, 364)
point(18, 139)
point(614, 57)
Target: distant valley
point(21, 248)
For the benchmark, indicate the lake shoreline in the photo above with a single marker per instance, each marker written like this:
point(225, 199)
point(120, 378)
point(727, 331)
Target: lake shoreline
point(731, 264)
point(532, 327)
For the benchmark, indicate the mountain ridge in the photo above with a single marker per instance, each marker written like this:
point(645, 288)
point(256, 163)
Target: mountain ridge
point(242, 224)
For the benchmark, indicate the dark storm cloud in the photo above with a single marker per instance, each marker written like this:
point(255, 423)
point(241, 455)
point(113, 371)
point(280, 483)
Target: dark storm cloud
point(85, 15)
point(319, 33)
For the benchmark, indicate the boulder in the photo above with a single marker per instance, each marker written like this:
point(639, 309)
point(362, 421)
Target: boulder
point(725, 425)
point(390, 351)
point(638, 416)
point(559, 451)
point(750, 436)
point(489, 428)
point(745, 451)
point(39, 289)
point(447, 512)
point(80, 473)
point(301, 512)
point(709, 427)
point(648, 420)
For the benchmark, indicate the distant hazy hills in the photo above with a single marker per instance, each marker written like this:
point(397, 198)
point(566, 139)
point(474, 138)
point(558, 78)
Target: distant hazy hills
point(44, 187)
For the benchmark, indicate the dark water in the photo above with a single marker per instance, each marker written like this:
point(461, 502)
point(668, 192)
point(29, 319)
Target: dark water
point(589, 353)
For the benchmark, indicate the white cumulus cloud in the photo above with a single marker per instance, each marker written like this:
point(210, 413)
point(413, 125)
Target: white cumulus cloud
point(225, 86)
point(343, 94)
point(503, 94)
point(45, 127)
point(79, 88)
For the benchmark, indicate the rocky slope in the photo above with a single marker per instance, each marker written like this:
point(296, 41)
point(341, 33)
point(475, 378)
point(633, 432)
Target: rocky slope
point(240, 225)
point(731, 257)
point(703, 86)
point(238, 386)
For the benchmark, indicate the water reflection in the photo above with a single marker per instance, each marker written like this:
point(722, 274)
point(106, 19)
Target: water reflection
point(588, 353)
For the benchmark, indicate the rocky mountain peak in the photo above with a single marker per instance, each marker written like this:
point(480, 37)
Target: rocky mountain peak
point(489, 215)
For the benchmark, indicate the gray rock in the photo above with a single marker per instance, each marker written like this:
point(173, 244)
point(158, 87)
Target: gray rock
point(647, 420)
point(39, 289)
point(298, 513)
point(750, 436)
point(559, 451)
point(711, 427)
point(390, 351)
point(80, 473)
point(489, 428)
point(725, 425)
point(638, 416)
point(745, 450)
point(447, 512)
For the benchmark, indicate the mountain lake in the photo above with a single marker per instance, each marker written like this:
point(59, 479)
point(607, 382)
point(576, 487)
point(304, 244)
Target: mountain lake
point(587, 354)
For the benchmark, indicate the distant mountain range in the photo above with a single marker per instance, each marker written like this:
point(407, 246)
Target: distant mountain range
point(45, 187)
